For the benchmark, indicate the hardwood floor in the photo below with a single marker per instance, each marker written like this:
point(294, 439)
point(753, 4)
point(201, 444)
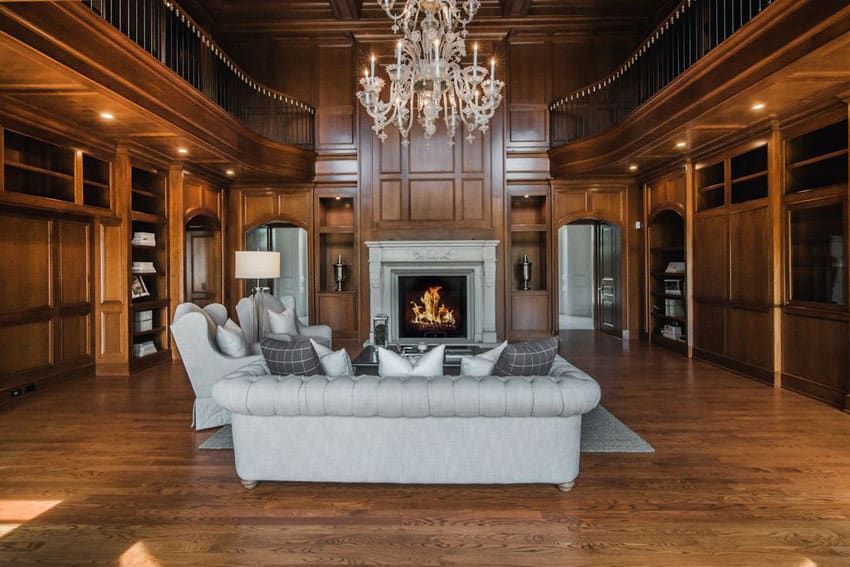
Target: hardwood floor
point(105, 471)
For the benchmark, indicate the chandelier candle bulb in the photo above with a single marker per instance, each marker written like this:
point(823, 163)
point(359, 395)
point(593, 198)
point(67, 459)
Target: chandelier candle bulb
point(475, 61)
point(372, 67)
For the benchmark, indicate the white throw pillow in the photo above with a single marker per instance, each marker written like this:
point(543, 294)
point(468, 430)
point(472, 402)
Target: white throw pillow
point(481, 364)
point(393, 364)
point(231, 340)
point(333, 363)
point(283, 322)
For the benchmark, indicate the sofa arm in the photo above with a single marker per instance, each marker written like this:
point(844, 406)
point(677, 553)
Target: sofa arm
point(321, 333)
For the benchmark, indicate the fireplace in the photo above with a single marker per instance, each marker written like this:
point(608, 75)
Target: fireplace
point(432, 307)
point(401, 272)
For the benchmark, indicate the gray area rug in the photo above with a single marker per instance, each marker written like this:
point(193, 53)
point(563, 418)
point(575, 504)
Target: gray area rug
point(601, 432)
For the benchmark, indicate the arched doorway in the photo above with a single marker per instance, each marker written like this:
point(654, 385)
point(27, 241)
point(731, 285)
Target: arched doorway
point(291, 241)
point(590, 282)
point(203, 274)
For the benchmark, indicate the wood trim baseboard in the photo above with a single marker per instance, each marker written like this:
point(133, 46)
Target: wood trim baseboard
point(762, 375)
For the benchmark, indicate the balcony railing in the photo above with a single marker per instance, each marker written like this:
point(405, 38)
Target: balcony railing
point(162, 29)
point(693, 29)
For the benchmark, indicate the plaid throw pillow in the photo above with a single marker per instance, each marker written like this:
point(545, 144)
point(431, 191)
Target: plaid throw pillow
point(533, 358)
point(296, 357)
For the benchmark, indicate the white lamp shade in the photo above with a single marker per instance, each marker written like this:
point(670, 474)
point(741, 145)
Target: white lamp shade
point(257, 265)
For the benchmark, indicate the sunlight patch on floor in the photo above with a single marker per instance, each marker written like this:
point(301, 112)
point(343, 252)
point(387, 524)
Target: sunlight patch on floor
point(14, 513)
point(138, 556)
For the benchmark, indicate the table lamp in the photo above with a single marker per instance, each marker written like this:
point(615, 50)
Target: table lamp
point(257, 265)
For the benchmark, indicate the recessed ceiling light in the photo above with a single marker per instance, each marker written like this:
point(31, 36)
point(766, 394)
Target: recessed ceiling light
point(338, 198)
point(107, 116)
point(230, 172)
point(633, 167)
point(681, 145)
point(182, 151)
point(525, 196)
point(758, 106)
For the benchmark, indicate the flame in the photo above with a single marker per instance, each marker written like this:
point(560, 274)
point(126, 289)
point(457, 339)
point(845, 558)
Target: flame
point(431, 313)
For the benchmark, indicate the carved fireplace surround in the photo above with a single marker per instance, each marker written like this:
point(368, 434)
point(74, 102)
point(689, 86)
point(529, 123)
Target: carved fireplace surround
point(476, 258)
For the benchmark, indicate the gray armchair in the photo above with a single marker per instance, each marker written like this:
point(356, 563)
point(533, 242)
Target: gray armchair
point(194, 332)
point(245, 310)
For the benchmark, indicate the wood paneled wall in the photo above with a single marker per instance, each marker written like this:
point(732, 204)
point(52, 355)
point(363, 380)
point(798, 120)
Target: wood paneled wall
point(743, 316)
point(428, 189)
point(617, 201)
point(46, 313)
point(192, 197)
point(249, 207)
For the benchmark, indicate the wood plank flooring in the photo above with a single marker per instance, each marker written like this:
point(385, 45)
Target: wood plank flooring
point(105, 471)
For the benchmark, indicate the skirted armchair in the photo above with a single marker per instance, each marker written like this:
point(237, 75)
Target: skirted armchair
point(194, 332)
point(245, 310)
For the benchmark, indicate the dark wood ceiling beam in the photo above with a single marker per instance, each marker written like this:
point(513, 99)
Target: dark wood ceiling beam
point(346, 9)
point(515, 8)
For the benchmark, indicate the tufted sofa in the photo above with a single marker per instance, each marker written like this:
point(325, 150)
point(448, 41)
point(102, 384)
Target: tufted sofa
point(444, 429)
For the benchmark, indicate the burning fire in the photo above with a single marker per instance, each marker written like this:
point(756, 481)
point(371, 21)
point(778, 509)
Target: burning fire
point(431, 313)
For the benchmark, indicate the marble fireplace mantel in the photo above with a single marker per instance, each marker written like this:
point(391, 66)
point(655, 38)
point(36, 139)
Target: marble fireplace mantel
point(477, 258)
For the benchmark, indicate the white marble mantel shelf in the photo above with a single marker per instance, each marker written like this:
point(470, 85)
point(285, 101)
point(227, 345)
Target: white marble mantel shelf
point(475, 257)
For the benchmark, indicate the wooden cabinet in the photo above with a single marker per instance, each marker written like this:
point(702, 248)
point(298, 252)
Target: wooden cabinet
point(49, 193)
point(46, 314)
point(148, 270)
point(336, 242)
point(815, 336)
point(528, 223)
point(732, 259)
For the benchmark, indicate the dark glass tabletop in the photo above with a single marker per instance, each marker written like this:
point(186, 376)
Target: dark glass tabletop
point(367, 361)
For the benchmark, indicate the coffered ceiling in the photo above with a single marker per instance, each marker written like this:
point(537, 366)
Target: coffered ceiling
point(227, 17)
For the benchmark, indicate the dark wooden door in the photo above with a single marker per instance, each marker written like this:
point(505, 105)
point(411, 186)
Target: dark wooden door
point(203, 270)
point(608, 285)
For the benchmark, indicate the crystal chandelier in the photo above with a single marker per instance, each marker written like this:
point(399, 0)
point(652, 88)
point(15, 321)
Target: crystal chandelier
point(428, 77)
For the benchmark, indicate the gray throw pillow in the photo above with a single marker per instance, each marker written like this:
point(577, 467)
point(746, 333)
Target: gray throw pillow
point(533, 358)
point(295, 357)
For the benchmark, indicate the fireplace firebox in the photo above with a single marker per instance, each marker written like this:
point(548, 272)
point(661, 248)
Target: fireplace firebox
point(432, 307)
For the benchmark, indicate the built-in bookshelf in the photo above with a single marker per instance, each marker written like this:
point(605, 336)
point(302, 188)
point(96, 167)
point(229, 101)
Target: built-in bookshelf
point(817, 159)
point(336, 242)
point(528, 223)
point(668, 280)
point(38, 172)
point(739, 178)
point(148, 319)
point(711, 187)
point(748, 175)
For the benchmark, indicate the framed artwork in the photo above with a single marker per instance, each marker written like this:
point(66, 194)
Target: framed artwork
point(138, 288)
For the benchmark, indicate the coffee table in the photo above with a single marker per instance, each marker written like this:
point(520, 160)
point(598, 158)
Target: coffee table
point(367, 361)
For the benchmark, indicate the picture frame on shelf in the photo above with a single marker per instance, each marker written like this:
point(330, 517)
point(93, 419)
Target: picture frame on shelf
point(138, 288)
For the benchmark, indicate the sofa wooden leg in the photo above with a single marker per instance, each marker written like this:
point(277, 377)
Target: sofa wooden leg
point(566, 486)
point(249, 484)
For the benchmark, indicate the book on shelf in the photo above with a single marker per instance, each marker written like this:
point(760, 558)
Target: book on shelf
point(143, 267)
point(144, 239)
point(675, 268)
point(144, 349)
point(672, 332)
point(143, 321)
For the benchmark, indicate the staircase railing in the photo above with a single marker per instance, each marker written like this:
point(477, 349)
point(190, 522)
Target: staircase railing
point(165, 31)
point(693, 29)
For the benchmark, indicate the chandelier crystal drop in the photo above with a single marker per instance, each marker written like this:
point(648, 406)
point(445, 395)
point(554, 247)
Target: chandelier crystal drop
point(428, 78)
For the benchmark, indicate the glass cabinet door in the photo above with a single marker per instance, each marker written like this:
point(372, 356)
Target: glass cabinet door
point(817, 238)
